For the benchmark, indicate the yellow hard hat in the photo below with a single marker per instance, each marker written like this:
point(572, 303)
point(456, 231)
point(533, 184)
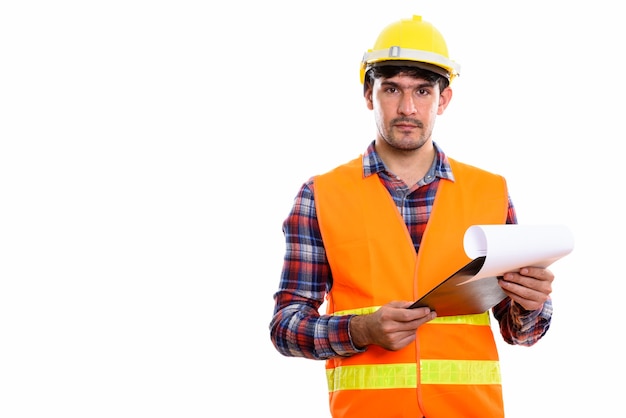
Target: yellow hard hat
point(412, 40)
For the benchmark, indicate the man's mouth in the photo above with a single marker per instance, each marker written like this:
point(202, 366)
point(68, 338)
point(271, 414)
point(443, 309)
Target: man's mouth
point(407, 124)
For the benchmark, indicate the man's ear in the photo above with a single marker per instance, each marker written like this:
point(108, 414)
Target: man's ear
point(367, 94)
point(444, 100)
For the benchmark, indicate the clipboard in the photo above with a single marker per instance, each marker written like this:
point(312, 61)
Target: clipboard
point(495, 250)
point(458, 295)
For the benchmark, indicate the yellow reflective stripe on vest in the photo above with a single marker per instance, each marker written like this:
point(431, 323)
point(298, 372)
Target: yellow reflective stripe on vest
point(476, 319)
point(402, 376)
point(460, 372)
point(376, 376)
point(358, 311)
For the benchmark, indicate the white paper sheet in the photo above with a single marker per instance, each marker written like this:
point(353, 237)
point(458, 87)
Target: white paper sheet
point(509, 247)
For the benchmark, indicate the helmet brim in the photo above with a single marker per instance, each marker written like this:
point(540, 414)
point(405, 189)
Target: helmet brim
point(408, 63)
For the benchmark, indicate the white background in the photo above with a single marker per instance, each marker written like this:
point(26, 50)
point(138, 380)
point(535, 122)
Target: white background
point(150, 150)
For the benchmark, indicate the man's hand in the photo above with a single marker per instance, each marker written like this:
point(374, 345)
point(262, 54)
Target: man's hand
point(530, 287)
point(392, 327)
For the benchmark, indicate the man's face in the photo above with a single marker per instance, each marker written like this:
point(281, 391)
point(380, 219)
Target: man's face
point(405, 109)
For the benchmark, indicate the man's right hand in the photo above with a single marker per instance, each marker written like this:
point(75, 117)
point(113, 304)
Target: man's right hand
point(392, 327)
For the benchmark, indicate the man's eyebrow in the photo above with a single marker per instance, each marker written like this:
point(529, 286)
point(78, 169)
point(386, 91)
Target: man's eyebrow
point(421, 85)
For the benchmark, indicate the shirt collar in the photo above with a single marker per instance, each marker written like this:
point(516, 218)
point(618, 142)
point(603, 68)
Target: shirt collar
point(373, 164)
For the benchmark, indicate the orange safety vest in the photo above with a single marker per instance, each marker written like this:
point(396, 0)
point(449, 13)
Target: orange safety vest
point(452, 369)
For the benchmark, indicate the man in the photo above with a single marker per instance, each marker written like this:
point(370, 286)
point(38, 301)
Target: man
point(373, 235)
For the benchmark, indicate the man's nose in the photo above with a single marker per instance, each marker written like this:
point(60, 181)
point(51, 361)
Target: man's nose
point(407, 105)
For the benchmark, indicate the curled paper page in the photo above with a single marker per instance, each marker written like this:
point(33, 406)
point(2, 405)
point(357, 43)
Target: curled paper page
point(509, 247)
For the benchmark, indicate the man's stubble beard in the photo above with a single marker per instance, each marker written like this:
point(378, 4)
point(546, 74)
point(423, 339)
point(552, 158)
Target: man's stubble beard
point(393, 141)
point(413, 145)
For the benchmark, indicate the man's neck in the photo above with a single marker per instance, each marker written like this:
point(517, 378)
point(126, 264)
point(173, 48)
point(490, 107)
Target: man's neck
point(410, 166)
